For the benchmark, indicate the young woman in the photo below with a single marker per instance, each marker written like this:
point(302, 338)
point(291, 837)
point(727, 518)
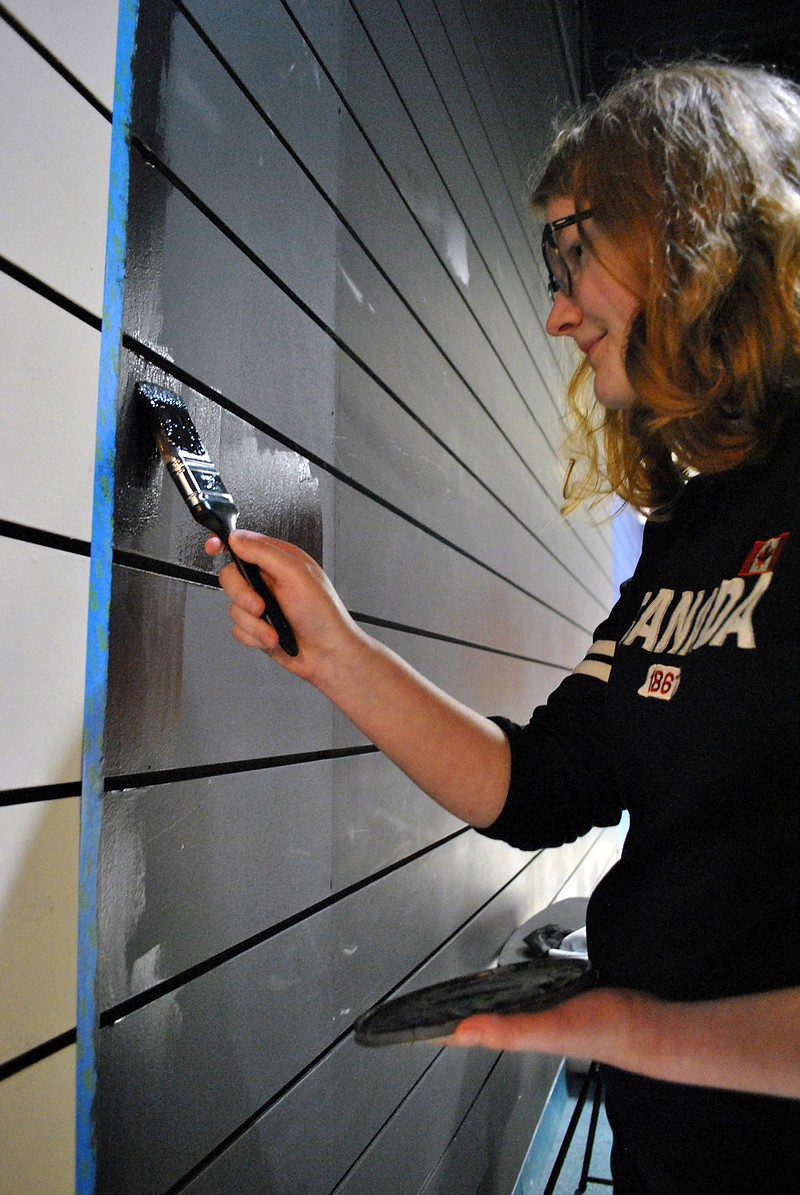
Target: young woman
point(673, 248)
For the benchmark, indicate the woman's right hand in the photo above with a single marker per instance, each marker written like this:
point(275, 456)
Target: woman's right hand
point(458, 757)
point(322, 626)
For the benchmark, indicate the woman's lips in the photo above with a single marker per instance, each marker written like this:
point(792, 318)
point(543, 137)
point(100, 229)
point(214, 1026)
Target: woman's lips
point(589, 350)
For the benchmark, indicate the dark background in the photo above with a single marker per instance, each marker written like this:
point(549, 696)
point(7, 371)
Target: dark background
point(617, 34)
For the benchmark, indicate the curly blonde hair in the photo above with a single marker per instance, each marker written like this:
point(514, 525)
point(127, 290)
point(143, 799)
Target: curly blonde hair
point(693, 172)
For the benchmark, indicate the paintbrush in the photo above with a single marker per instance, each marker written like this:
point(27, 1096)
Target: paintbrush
point(203, 490)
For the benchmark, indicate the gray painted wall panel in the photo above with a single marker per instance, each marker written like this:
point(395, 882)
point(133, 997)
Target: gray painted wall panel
point(441, 190)
point(536, 549)
point(380, 447)
point(231, 1038)
point(479, 132)
point(191, 868)
point(492, 1142)
point(281, 215)
point(316, 1131)
point(212, 278)
point(421, 582)
point(443, 113)
point(402, 1156)
point(468, 32)
point(169, 638)
point(399, 48)
point(523, 57)
point(379, 818)
point(279, 493)
point(368, 203)
point(182, 697)
point(192, 297)
point(276, 490)
point(492, 683)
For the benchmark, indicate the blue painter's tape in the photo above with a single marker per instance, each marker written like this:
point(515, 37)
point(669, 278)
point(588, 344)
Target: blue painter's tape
point(100, 598)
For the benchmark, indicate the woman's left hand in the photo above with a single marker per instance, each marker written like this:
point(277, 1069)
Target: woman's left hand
point(590, 1026)
point(741, 1043)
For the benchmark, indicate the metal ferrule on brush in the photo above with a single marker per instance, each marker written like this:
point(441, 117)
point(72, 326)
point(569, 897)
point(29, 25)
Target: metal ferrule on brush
point(201, 486)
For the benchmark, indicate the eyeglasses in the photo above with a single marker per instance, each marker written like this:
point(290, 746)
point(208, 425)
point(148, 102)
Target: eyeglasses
point(558, 272)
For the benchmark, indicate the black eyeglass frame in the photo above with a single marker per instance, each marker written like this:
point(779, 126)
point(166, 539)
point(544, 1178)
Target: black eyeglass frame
point(558, 275)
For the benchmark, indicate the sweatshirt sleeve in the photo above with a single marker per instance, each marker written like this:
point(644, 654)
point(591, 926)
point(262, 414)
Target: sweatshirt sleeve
point(562, 778)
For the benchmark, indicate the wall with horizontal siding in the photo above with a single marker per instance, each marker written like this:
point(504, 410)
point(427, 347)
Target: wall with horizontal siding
point(57, 67)
point(328, 256)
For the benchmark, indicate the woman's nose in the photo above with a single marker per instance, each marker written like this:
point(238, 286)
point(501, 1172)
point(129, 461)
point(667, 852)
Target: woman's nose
point(565, 315)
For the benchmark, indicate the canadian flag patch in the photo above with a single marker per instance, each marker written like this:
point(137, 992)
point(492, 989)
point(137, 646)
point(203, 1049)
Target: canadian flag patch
point(763, 556)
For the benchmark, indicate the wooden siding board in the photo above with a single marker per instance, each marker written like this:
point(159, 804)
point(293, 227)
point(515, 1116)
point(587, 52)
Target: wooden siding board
point(268, 52)
point(479, 130)
point(393, 36)
point(39, 900)
point(362, 189)
point(37, 1114)
point(273, 206)
point(523, 57)
point(54, 147)
point(486, 681)
point(83, 40)
point(379, 818)
point(190, 868)
point(181, 694)
point(280, 494)
point(381, 448)
point(42, 722)
point(192, 1065)
point(509, 143)
point(50, 367)
point(438, 108)
point(400, 1159)
point(359, 276)
point(487, 1146)
point(485, 1155)
point(439, 187)
point(422, 583)
point(276, 490)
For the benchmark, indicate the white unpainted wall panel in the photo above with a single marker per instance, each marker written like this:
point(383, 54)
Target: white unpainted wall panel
point(48, 401)
point(38, 922)
point(37, 1113)
point(82, 37)
point(43, 602)
point(54, 148)
point(54, 163)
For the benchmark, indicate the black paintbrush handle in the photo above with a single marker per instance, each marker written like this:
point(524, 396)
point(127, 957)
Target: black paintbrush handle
point(272, 610)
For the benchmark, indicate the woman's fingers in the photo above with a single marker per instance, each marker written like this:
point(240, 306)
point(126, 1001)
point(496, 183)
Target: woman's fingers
point(582, 1026)
point(517, 1031)
point(314, 610)
point(240, 592)
point(249, 626)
